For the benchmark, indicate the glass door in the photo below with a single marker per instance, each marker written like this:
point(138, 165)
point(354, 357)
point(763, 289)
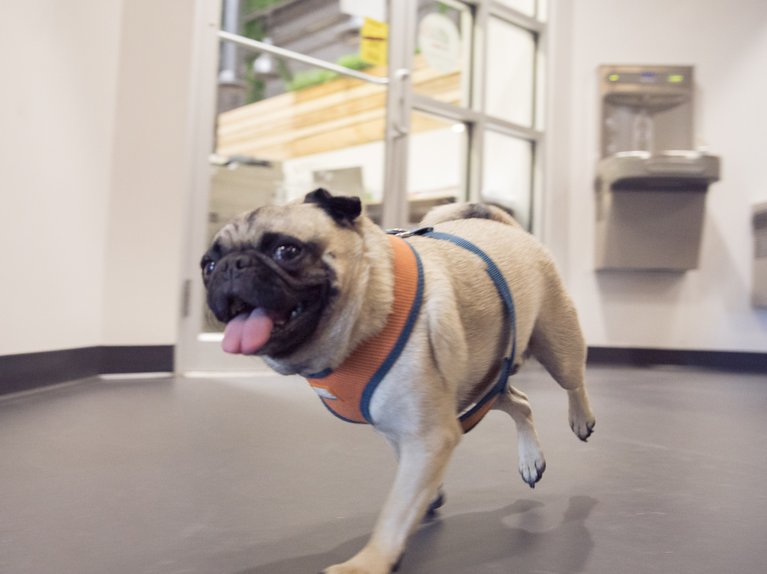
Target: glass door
point(292, 95)
point(380, 99)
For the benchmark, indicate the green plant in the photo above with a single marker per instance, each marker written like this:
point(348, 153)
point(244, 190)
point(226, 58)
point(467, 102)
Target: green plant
point(254, 29)
point(353, 62)
point(255, 88)
point(311, 78)
point(253, 5)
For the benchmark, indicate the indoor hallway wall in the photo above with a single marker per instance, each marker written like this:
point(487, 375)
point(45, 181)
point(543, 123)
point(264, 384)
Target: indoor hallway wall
point(58, 62)
point(708, 308)
point(93, 150)
point(91, 220)
point(150, 183)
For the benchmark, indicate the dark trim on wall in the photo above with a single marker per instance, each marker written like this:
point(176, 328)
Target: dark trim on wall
point(31, 371)
point(146, 359)
point(723, 360)
point(35, 370)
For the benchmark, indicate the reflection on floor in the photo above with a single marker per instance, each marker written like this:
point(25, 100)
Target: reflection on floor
point(253, 476)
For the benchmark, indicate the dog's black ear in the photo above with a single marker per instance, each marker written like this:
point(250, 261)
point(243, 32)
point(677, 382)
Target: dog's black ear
point(343, 209)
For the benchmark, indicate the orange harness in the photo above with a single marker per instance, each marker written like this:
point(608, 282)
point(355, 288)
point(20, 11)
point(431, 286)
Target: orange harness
point(348, 390)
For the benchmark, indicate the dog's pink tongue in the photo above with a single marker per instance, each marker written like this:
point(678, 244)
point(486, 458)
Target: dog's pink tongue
point(247, 332)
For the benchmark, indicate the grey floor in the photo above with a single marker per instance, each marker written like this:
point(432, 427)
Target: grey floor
point(253, 476)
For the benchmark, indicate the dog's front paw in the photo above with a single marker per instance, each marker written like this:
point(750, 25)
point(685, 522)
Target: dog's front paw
point(350, 568)
point(345, 569)
point(531, 469)
point(366, 562)
point(531, 460)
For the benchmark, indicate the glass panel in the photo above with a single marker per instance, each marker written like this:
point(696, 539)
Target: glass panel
point(347, 33)
point(437, 162)
point(509, 91)
point(527, 7)
point(507, 171)
point(283, 128)
point(441, 64)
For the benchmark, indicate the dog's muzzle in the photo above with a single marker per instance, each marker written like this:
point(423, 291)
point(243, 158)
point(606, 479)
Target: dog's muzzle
point(266, 309)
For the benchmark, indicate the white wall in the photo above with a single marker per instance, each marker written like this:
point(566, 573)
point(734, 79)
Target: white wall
point(149, 183)
point(726, 41)
point(93, 108)
point(59, 75)
point(93, 112)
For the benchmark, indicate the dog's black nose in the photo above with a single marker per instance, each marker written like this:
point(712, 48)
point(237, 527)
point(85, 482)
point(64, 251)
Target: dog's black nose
point(235, 262)
point(241, 261)
point(237, 279)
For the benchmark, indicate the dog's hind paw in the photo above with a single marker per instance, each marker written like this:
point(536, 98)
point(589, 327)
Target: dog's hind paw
point(582, 420)
point(435, 505)
point(583, 429)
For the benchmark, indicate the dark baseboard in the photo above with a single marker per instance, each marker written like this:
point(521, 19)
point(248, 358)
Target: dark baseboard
point(35, 370)
point(30, 371)
point(723, 360)
point(145, 359)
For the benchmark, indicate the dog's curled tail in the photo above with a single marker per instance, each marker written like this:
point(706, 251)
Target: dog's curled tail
point(455, 211)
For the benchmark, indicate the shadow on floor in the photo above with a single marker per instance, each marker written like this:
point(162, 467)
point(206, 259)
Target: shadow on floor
point(464, 543)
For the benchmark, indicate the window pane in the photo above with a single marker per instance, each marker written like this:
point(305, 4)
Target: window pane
point(524, 6)
point(437, 163)
point(436, 166)
point(510, 84)
point(508, 174)
point(441, 64)
point(330, 31)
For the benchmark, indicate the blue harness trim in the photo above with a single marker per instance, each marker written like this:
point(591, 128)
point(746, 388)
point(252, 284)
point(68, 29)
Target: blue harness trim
point(402, 340)
point(321, 375)
point(391, 358)
point(508, 303)
point(343, 418)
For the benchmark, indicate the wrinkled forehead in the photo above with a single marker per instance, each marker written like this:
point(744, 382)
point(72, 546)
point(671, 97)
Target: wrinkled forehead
point(303, 221)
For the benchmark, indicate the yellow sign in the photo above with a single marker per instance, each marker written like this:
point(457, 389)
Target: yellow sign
point(373, 41)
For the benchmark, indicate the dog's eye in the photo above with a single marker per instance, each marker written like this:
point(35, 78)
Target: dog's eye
point(208, 265)
point(287, 252)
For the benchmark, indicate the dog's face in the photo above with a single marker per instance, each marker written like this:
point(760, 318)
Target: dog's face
point(273, 274)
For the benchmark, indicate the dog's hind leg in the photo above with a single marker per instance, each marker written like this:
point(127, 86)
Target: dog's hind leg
point(558, 345)
point(531, 460)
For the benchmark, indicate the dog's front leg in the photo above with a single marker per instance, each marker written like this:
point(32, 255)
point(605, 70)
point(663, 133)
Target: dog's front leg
point(422, 463)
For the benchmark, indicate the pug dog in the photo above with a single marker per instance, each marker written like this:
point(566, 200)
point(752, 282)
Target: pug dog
point(314, 286)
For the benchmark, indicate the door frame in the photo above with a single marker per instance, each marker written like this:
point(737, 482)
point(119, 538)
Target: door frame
point(200, 352)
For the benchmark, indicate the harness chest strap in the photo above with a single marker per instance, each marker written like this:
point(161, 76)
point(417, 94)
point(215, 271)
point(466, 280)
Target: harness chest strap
point(347, 391)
